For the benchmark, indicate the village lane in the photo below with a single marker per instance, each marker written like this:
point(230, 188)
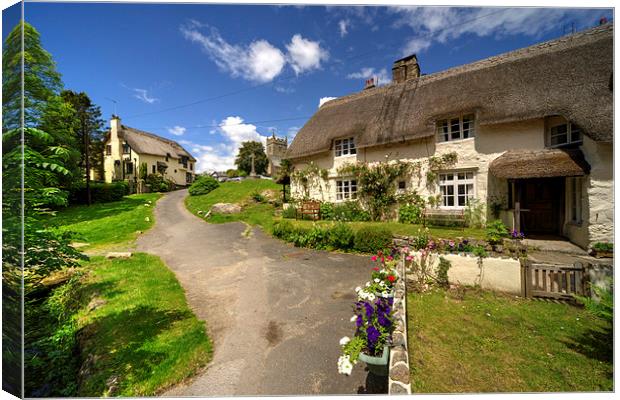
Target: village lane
point(274, 312)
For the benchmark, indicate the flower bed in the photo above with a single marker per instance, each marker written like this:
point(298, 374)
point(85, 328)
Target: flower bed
point(373, 318)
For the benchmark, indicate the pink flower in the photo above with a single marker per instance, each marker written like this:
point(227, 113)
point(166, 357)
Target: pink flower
point(408, 258)
point(373, 258)
point(390, 258)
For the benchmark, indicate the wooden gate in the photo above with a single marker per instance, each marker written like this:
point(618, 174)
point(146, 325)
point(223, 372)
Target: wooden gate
point(554, 281)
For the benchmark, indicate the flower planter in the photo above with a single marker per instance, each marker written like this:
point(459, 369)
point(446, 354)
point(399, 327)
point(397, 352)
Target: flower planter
point(377, 365)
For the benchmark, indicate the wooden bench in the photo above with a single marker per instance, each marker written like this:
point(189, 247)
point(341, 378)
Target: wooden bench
point(444, 217)
point(311, 208)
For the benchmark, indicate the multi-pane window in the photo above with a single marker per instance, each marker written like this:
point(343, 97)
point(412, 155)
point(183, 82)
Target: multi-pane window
point(129, 168)
point(108, 150)
point(456, 188)
point(344, 147)
point(346, 190)
point(574, 199)
point(126, 148)
point(455, 128)
point(564, 134)
point(154, 169)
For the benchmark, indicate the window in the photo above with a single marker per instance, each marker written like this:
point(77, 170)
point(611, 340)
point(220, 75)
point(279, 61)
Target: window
point(456, 188)
point(167, 156)
point(344, 147)
point(153, 169)
point(126, 148)
point(402, 186)
point(129, 168)
point(564, 134)
point(346, 190)
point(108, 150)
point(455, 128)
point(188, 177)
point(574, 199)
point(191, 167)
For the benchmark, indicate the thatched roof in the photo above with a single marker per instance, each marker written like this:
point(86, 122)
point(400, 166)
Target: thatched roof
point(548, 163)
point(570, 76)
point(148, 143)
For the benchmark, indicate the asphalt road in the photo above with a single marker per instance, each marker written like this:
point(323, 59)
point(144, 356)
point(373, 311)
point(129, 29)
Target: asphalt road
point(274, 312)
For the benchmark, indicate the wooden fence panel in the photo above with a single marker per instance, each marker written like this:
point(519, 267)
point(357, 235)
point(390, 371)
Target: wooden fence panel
point(553, 281)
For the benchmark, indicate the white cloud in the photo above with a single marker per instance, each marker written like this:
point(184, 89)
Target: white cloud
point(177, 130)
point(222, 156)
point(324, 100)
point(143, 95)
point(259, 61)
point(382, 75)
point(440, 24)
point(304, 54)
point(343, 24)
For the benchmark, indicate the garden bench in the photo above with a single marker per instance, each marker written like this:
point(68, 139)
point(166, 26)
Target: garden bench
point(443, 217)
point(312, 208)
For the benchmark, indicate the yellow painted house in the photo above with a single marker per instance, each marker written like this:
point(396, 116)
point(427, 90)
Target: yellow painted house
point(127, 148)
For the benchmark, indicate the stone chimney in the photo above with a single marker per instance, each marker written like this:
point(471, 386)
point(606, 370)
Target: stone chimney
point(405, 69)
point(115, 126)
point(370, 83)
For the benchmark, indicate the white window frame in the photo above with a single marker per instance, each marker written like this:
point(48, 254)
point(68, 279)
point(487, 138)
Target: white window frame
point(573, 135)
point(344, 147)
point(452, 180)
point(575, 199)
point(448, 128)
point(346, 189)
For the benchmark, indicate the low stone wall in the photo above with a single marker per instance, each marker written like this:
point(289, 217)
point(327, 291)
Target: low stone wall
point(494, 273)
point(399, 376)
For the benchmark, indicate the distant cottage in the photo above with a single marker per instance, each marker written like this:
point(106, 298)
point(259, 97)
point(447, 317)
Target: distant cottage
point(533, 130)
point(126, 149)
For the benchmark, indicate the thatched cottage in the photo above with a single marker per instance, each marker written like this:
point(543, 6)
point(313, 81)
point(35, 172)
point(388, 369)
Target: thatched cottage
point(532, 129)
point(126, 149)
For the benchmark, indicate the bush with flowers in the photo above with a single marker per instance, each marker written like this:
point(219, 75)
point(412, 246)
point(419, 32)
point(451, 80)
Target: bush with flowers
point(372, 314)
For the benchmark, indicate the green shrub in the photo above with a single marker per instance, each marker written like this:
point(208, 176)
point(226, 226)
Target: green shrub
point(603, 247)
point(327, 211)
point(317, 237)
point(341, 236)
point(370, 239)
point(259, 198)
point(282, 229)
point(350, 211)
point(100, 192)
point(290, 212)
point(410, 214)
point(496, 232)
point(602, 303)
point(157, 183)
point(203, 185)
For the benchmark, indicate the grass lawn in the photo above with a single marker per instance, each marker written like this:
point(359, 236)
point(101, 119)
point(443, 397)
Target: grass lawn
point(439, 232)
point(241, 193)
point(480, 341)
point(143, 333)
point(262, 214)
point(108, 224)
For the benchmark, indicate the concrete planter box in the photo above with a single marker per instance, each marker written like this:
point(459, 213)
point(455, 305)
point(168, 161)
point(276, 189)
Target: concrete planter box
point(377, 365)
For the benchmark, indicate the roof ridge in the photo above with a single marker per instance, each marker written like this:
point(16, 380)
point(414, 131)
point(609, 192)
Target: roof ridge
point(163, 139)
point(488, 62)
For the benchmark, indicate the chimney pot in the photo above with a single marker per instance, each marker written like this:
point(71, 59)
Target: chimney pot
point(405, 69)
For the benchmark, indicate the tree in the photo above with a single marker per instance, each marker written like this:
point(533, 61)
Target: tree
point(244, 158)
point(89, 130)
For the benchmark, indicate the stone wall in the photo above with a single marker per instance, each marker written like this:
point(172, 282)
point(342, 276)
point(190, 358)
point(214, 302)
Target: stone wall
point(399, 375)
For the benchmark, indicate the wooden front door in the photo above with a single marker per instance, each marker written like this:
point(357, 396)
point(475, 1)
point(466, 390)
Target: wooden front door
point(543, 203)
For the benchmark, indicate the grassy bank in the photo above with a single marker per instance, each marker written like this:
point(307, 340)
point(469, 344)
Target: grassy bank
point(108, 224)
point(125, 321)
point(254, 213)
point(478, 341)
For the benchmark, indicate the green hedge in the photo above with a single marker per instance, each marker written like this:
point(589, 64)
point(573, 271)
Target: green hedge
point(370, 239)
point(203, 185)
point(334, 236)
point(100, 192)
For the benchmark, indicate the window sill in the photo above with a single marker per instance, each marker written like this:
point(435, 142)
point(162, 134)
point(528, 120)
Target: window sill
point(457, 140)
point(345, 156)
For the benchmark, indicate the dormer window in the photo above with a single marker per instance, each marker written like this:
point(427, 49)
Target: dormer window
point(455, 128)
point(564, 134)
point(344, 147)
point(126, 148)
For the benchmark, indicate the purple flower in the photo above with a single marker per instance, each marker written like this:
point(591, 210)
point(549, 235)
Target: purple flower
point(373, 335)
point(383, 320)
point(359, 321)
point(369, 309)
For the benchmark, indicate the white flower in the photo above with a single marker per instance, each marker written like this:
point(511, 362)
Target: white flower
point(344, 340)
point(354, 318)
point(384, 294)
point(367, 284)
point(357, 289)
point(371, 297)
point(377, 280)
point(381, 283)
point(344, 365)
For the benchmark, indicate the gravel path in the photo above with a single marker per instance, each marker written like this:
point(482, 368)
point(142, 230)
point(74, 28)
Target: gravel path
point(274, 312)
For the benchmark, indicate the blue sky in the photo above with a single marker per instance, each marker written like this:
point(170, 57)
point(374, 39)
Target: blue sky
point(212, 76)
